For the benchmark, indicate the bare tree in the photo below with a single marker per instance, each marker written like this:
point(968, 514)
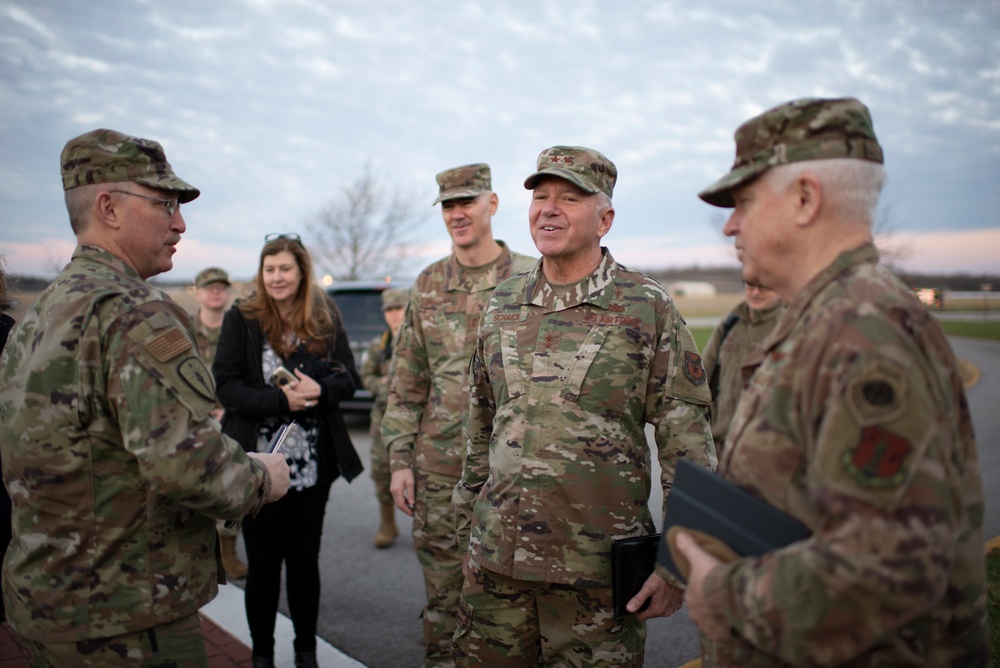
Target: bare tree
point(367, 229)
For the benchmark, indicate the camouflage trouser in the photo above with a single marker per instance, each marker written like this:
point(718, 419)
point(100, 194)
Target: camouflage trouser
point(380, 463)
point(507, 623)
point(434, 538)
point(178, 644)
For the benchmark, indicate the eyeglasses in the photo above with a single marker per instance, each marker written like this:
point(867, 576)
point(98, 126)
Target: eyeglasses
point(277, 236)
point(171, 205)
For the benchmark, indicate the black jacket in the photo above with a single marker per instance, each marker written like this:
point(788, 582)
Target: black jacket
point(247, 399)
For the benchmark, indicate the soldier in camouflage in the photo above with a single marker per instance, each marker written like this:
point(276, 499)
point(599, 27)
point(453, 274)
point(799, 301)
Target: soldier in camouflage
point(429, 393)
point(855, 422)
point(731, 342)
point(375, 375)
point(572, 360)
point(116, 470)
point(211, 291)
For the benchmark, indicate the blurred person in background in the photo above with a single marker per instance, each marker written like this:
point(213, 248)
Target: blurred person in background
point(287, 321)
point(211, 292)
point(731, 342)
point(6, 324)
point(375, 375)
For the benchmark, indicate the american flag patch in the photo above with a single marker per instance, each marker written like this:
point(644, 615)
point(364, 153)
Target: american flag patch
point(168, 346)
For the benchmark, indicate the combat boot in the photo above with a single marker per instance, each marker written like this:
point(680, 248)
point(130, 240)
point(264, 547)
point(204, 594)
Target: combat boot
point(235, 569)
point(387, 530)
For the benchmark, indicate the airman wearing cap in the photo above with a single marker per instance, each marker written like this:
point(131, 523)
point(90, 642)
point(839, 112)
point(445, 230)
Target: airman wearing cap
point(855, 423)
point(375, 376)
point(428, 397)
point(211, 291)
point(105, 426)
point(573, 358)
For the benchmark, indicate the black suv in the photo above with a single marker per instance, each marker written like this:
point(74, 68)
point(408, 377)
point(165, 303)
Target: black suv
point(360, 303)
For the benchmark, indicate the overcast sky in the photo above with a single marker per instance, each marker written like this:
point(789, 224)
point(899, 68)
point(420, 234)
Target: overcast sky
point(270, 106)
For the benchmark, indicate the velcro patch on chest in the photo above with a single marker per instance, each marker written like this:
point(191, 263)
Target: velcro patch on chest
point(169, 345)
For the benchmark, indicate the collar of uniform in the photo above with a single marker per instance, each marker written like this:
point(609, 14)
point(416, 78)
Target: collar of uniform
point(457, 278)
point(762, 315)
point(850, 258)
point(97, 254)
point(600, 284)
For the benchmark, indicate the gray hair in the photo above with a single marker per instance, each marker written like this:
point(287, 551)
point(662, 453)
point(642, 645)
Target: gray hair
point(855, 184)
point(603, 202)
point(78, 203)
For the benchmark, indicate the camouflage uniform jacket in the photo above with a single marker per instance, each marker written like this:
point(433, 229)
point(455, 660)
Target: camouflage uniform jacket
point(374, 374)
point(558, 465)
point(429, 393)
point(725, 357)
point(208, 340)
point(856, 423)
point(114, 468)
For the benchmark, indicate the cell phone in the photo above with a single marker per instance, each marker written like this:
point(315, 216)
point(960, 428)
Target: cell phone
point(281, 377)
point(279, 437)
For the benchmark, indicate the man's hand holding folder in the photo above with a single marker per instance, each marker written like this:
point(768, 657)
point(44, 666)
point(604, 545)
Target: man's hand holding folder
point(709, 522)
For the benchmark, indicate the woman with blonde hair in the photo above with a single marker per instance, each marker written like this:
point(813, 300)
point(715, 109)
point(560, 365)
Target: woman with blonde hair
point(283, 355)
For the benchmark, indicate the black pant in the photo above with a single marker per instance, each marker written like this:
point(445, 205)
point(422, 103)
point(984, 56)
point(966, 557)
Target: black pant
point(289, 531)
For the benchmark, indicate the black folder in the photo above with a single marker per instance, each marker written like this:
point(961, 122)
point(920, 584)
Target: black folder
point(699, 499)
point(632, 562)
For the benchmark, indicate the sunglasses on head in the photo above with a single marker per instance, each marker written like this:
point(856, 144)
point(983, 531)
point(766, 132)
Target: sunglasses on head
point(277, 236)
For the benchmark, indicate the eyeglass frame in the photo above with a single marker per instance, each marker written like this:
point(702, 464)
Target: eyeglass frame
point(172, 205)
point(278, 236)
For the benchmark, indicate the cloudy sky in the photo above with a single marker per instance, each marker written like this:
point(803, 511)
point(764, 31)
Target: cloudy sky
point(271, 106)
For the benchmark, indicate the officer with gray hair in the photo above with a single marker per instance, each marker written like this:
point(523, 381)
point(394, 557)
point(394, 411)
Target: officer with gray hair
point(855, 423)
point(116, 470)
point(573, 359)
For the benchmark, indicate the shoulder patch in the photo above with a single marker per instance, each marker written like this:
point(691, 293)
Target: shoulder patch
point(694, 370)
point(878, 394)
point(193, 371)
point(169, 345)
point(878, 458)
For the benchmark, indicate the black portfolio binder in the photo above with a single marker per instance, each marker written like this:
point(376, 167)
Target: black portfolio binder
point(632, 562)
point(699, 499)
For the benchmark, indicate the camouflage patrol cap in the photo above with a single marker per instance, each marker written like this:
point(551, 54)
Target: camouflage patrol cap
point(583, 167)
point(395, 298)
point(464, 181)
point(806, 129)
point(211, 275)
point(107, 156)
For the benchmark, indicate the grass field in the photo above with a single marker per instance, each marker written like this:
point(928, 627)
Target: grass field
point(978, 330)
point(701, 335)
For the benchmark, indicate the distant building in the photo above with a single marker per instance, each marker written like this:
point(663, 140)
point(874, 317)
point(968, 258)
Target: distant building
point(691, 289)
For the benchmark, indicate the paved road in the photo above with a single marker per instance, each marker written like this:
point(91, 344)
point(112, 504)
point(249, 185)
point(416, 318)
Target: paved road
point(372, 598)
